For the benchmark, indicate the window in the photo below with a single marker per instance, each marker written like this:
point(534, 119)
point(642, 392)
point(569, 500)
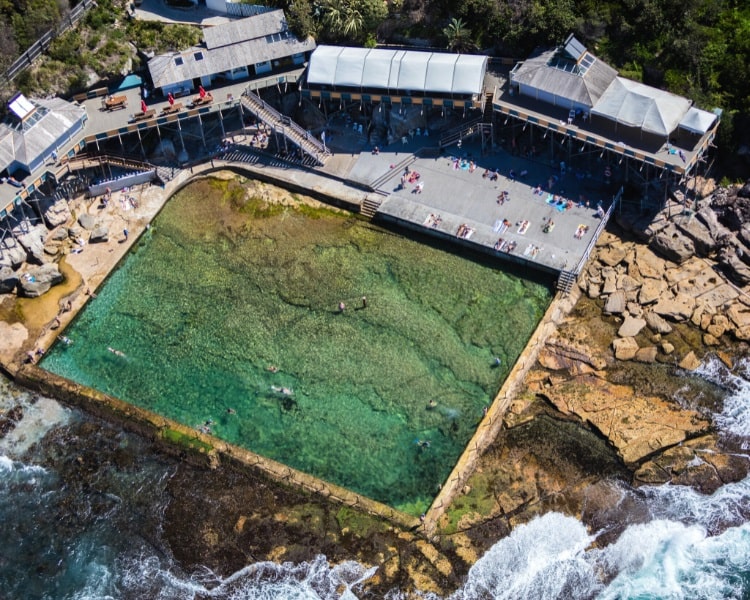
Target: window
point(178, 61)
point(198, 56)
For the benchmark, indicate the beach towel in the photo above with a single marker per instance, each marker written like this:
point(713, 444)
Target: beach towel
point(523, 227)
point(497, 226)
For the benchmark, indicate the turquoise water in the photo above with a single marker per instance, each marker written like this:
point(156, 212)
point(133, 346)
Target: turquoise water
point(219, 290)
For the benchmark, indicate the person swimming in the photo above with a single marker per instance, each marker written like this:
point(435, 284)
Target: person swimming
point(432, 404)
point(272, 369)
point(423, 444)
point(116, 352)
point(282, 390)
point(65, 340)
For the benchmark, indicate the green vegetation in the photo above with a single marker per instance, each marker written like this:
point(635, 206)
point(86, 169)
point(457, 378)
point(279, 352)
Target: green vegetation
point(359, 523)
point(185, 441)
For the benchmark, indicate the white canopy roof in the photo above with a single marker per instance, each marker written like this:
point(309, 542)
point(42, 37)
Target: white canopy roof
point(397, 70)
point(637, 105)
point(698, 121)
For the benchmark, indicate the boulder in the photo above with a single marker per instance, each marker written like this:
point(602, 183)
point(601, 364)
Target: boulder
point(678, 308)
point(87, 221)
point(735, 314)
point(631, 327)
point(616, 303)
point(59, 235)
point(613, 255)
point(627, 283)
point(735, 269)
point(99, 235)
point(32, 240)
point(57, 214)
point(8, 280)
point(651, 291)
point(12, 254)
point(690, 362)
point(697, 231)
point(656, 323)
point(718, 232)
point(560, 354)
point(646, 355)
point(667, 347)
point(672, 244)
point(39, 280)
point(625, 348)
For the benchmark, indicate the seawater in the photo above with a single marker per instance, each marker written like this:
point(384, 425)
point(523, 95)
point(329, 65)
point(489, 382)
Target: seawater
point(226, 317)
point(102, 541)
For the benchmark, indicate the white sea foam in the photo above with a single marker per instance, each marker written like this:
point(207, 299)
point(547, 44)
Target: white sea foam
point(734, 418)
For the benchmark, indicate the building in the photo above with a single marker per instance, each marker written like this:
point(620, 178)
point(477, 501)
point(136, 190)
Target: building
point(240, 49)
point(593, 119)
point(34, 129)
point(396, 77)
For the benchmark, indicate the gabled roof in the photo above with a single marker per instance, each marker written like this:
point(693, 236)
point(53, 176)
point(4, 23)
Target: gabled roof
point(397, 70)
point(637, 105)
point(232, 45)
point(44, 123)
point(570, 71)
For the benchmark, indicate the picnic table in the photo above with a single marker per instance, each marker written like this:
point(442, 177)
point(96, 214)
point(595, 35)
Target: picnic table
point(207, 99)
point(140, 116)
point(114, 102)
point(173, 108)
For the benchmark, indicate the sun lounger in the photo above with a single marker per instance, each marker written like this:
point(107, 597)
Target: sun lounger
point(523, 227)
point(140, 116)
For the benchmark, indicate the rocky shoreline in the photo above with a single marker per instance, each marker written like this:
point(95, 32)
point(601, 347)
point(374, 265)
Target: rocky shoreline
point(602, 394)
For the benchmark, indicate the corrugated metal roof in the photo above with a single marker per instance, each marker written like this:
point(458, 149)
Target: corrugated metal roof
point(545, 72)
point(269, 40)
point(241, 30)
point(397, 70)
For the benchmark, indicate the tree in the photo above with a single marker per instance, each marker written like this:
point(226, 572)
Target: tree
point(459, 36)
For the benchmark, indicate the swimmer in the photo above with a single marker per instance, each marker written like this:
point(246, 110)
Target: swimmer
point(209, 422)
point(423, 444)
point(65, 340)
point(116, 352)
point(231, 411)
point(273, 369)
point(282, 390)
point(497, 361)
point(432, 404)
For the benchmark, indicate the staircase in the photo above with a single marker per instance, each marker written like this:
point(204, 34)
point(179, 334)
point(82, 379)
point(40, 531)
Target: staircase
point(285, 126)
point(488, 109)
point(369, 207)
point(465, 130)
point(566, 281)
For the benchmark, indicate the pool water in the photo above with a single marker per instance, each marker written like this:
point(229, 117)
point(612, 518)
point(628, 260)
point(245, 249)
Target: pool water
point(227, 301)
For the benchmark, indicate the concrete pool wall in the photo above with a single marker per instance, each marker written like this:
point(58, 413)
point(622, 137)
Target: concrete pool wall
point(205, 449)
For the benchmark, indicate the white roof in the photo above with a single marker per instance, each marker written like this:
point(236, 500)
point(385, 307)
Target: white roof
point(637, 105)
point(697, 120)
point(397, 70)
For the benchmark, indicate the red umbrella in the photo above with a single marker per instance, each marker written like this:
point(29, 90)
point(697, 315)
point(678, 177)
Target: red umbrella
point(170, 99)
point(201, 91)
point(143, 106)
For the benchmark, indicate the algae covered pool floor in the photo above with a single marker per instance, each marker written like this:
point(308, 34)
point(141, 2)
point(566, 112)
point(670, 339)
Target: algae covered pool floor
point(226, 315)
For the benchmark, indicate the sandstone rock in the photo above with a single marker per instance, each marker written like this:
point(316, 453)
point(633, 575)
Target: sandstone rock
point(594, 289)
point(12, 254)
point(33, 240)
point(740, 318)
point(656, 323)
point(8, 280)
point(673, 245)
point(39, 280)
point(634, 309)
point(719, 326)
point(559, 354)
point(716, 230)
point(690, 362)
point(742, 334)
point(613, 254)
point(725, 358)
point(651, 291)
point(649, 264)
point(631, 327)
point(87, 221)
point(57, 214)
point(59, 235)
point(696, 231)
point(734, 268)
point(627, 283)
point(710, 340)
point(615, 304)
point(678, 308)
point(636, 425)
point(646, 355)
point(625, 348)
point(99, 235)
point(667, 348)
point(610, 281)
